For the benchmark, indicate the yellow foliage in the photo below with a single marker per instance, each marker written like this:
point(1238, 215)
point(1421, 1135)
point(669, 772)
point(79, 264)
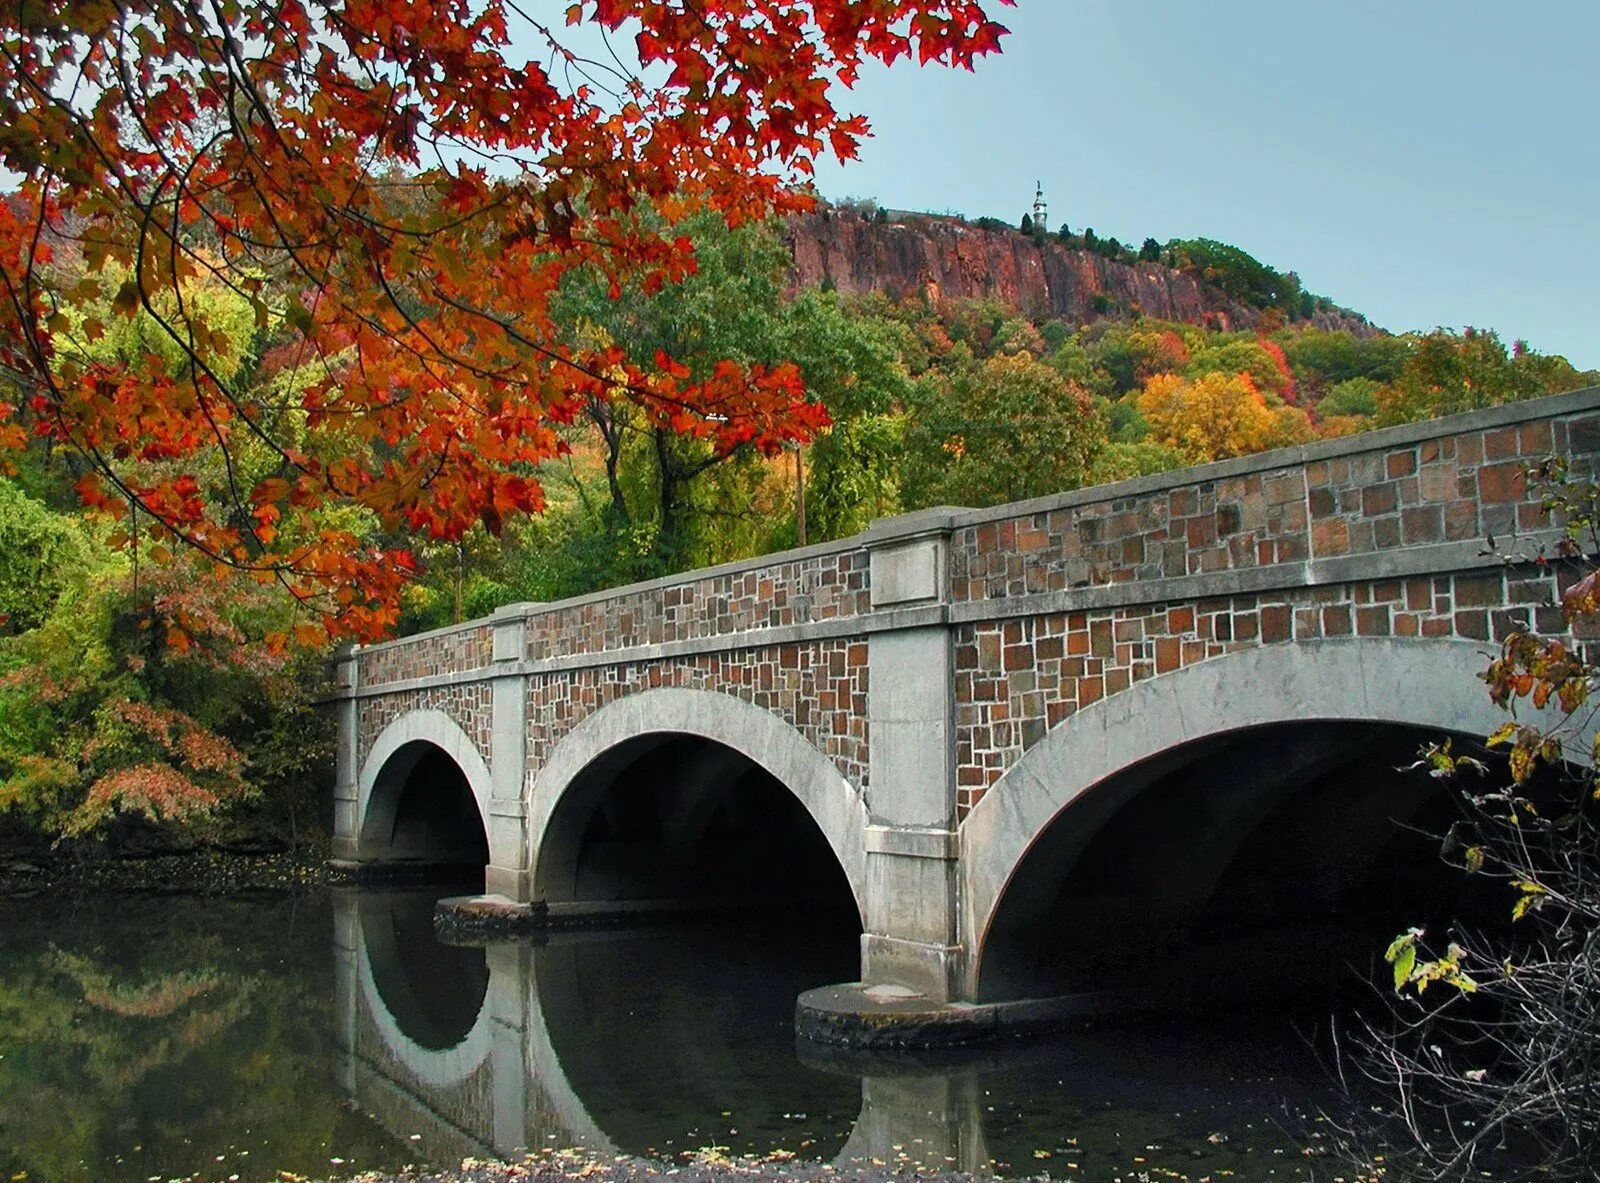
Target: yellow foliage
point(1218, 415)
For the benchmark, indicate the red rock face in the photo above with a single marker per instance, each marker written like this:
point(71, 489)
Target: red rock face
point(954, 260)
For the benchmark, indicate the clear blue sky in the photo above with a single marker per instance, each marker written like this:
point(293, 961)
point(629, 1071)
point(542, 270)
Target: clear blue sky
point(1425, 163)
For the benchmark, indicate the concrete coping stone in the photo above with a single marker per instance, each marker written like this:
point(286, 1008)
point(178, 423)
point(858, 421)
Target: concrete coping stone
point(936, 519)
point(945, 519)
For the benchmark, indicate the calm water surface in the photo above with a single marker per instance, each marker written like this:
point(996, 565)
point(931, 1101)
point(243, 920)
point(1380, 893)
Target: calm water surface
point(171, 1037)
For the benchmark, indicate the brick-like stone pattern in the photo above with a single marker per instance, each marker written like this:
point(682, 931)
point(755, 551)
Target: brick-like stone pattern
point(468, 704)
point(1016, 679)
point(805, 591)
point(820, 688)
point(1454, 488)
point(425, 657)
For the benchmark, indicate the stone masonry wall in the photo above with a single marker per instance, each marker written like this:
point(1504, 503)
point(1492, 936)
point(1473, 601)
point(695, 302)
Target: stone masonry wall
point(1055, 605)
point(454, 652)
point(796, 592)
point(469, 705)
point(819, 688)
point(1454, 489)
point(1016, 679)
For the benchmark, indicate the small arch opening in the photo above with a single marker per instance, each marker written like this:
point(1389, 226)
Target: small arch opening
point(423, 821)
point(747, 907)
point(1270, 861)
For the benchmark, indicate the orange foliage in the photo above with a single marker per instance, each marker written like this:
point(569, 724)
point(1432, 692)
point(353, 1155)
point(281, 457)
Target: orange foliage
point(419, 191)
point(1217, 416)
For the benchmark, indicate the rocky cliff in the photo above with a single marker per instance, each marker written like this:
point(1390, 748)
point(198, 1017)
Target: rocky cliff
point(953, 260)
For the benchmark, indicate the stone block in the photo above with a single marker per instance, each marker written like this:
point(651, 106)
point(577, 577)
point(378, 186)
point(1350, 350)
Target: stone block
point(909, 573)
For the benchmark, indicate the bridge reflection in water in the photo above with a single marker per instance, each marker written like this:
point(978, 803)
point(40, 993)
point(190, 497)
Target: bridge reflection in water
point(656, 1041)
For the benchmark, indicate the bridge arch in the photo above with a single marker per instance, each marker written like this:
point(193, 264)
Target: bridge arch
point(1135, 737)
point(423, 744)
point(734, 732)
point(442, 1041)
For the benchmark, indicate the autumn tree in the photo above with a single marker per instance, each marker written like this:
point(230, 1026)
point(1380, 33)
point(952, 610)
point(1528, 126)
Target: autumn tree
point(1490, 1061)
point(1447, 372)
point(402, 186)
point(1218, 415)
point(126, 702)
point(1261, 359)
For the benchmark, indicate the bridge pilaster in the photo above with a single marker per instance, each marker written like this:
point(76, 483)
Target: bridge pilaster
point(347, 771)
point(506, 811)
point(910, 939)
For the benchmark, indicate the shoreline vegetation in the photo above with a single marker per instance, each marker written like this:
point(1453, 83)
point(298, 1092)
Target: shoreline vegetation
point(27, 870)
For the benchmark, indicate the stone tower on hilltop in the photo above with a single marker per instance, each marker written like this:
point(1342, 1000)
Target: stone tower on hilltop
point(1041, 211)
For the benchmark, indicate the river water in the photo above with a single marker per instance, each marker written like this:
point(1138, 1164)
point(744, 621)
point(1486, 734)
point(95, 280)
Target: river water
point(147, 1037)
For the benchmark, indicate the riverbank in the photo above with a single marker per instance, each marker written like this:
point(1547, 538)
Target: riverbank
point(204, 871)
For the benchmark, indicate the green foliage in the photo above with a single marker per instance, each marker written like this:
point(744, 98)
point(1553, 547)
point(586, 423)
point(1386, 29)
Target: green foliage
point(1238, 274)
point(854, 476)
point(1124, 422)
point(999, 430)
point(1121, 461)
point(210, 308)
point(1321, 360)
point(1130, 354)
point(1353, 396)
point(41, 554)
point(1239, 355)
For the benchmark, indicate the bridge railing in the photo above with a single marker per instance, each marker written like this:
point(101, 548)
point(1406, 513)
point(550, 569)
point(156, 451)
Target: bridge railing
point(1418, 497)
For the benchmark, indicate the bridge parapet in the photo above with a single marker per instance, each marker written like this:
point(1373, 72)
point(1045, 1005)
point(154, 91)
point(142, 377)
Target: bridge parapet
point(1434, 490)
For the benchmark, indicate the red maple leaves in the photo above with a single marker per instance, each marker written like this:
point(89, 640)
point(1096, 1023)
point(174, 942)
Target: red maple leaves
point(398, 190)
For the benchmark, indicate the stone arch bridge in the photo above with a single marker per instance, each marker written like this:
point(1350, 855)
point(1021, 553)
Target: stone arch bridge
point(1024, 748)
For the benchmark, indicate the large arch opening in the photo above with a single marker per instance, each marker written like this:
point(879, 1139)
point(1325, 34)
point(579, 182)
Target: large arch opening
point(672, 823)
point(1274, 859)
point(423, 820)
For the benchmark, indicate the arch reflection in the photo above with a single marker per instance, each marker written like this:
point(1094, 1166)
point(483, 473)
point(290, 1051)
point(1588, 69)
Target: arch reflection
point(659, 1041)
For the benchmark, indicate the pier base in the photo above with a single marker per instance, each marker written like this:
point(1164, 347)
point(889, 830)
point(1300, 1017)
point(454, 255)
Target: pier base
point(480, 917)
